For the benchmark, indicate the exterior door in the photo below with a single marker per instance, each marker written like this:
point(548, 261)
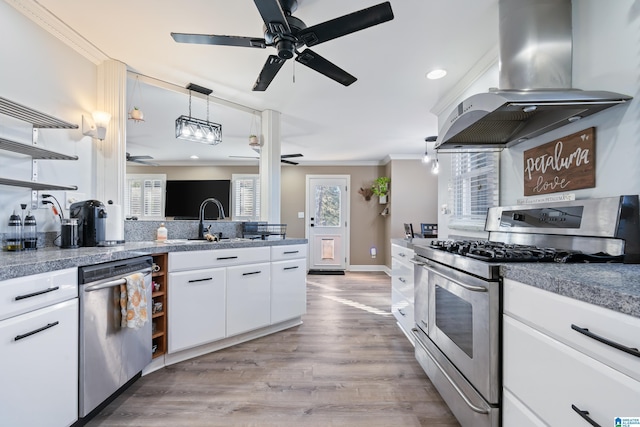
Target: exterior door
point(327, 221)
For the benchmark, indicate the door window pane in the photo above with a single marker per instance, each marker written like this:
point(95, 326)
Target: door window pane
point(327, 201)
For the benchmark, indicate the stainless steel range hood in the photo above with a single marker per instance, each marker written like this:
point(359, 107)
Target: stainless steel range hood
point(535, 94)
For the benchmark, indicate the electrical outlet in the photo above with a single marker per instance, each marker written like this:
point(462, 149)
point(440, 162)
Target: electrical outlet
point(72, 197)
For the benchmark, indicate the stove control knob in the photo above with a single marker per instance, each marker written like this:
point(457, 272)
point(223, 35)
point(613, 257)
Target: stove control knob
point(518, 217)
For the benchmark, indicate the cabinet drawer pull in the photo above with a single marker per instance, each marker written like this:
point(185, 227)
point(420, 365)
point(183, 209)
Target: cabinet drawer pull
point(585, 331)
point(35, 294)
point(585, 416)
point(290, 268)
point(402, 279)
point(402, 255)
point(401, 312)
point(290, 252)
point(251, 272)
point(28, 334)
point(200, 280)
point(226, 257)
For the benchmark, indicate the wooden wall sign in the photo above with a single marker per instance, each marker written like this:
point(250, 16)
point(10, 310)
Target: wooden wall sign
point(568, 163)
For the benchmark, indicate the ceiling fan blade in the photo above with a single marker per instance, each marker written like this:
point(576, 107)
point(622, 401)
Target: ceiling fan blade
point(245, 157)
point(289, 162)
point(219, 40)
point(269, 71)
point(346, 24)
point(140, 158)
point(323, 66)
point(288, 156)
point(273, 16)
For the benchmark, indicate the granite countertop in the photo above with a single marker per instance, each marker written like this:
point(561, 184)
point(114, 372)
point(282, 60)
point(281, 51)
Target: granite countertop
point(18, 264)
point(613, 286)
point(406, 243)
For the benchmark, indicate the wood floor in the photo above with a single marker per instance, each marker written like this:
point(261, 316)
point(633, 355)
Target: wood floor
point(348, 364)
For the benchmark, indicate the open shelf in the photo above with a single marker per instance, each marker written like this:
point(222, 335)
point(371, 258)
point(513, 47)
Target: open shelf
point(159, 319)
point(35, 185)
point(36, 118)
point(33, 151)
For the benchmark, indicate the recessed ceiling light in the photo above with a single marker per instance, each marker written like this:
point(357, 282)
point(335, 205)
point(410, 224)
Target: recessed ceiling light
point(436, 74)
point(194, 157)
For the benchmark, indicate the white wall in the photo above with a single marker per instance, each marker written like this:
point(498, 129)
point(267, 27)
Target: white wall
point(41, 72)
point(606, 36)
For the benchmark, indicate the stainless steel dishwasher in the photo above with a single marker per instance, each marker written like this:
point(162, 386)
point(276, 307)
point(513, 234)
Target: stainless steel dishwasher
point(111, 356)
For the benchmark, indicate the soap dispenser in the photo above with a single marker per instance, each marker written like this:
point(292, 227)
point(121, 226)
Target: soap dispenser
point(161, 234)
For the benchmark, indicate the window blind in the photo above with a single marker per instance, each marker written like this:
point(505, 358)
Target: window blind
point(246, 197)
point(475, 187)
point(145, 196)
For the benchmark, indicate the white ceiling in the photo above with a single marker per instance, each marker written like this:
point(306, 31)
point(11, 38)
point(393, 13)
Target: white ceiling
point(386, 112)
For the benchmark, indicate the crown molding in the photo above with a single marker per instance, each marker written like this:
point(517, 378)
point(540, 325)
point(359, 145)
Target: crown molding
point(487, 61)
point(52, 24)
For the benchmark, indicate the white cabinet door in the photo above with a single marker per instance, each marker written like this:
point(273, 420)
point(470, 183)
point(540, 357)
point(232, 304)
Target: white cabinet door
point(288, 289)
point(39, 369)
point(550, 377)
point(248, 297)
point(196, 308)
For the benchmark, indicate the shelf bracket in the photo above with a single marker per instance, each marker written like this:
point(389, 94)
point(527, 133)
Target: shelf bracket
point(34, 170)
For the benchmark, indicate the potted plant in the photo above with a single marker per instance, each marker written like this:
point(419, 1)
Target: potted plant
point(136, 114)
point(380, 188)
point(253, 141)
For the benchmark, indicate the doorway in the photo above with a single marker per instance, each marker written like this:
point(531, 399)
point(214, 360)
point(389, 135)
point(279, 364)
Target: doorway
point(327, 224)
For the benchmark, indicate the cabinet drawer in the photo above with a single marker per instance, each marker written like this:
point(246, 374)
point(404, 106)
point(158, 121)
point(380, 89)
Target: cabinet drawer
point(192, 260)
point(402, 254)
point(524, 303)
point(402, 310)
point(402, 279)
point(550, 377)
point(280, 253)
point(39, 368)
point(27, 293)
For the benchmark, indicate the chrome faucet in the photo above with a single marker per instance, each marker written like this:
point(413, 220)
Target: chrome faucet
point(201, 215)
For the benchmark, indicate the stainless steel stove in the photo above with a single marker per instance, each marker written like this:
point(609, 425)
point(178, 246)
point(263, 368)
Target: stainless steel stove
point(458, 289)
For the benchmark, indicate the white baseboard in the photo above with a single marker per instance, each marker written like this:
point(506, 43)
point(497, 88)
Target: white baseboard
point(382, 268)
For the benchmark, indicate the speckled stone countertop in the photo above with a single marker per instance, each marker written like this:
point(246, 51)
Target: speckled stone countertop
point(18, 264)
point(613, 286)
point(405, 243)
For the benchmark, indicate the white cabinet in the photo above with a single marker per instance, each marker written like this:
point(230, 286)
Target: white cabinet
point(198, 307)
point(39, 348)
point(551, 371)
point(248, 297)
point(402, 284)
point(288, 289)
point(192, 260)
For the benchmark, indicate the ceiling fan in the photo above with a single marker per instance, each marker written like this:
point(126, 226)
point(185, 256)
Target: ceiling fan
point(141, 160)
point(287, 34)
point(283, 158)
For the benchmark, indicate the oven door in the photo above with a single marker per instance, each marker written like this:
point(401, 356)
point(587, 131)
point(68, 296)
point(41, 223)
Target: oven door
point(464, 316)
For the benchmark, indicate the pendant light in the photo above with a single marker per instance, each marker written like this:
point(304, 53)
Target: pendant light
point(198, 130)
point(426, 159)
point(135, 113)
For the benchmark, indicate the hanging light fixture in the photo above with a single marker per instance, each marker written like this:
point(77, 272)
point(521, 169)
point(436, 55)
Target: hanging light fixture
point(426, 159)
point(435, 167)
point(198, 130)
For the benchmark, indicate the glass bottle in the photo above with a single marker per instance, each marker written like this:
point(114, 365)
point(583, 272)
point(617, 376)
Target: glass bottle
point(13, 240)
point(30, 233)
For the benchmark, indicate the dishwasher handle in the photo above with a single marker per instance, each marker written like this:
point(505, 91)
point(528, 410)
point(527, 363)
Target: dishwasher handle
point(108, 283)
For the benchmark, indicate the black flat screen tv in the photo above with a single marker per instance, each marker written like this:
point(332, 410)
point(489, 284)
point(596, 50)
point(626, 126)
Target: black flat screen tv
point(183, 198)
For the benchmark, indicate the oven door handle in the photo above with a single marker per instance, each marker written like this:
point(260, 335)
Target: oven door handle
point(464, 397)
point(459, 283)
point(111, 283)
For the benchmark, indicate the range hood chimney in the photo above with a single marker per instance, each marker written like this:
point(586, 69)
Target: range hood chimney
point(535, 94)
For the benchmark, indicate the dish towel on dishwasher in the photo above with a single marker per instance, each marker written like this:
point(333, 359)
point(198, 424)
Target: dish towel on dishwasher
point(133, 301)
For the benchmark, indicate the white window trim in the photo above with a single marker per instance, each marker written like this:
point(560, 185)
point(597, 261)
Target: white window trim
point(256, 197)
point(462, 194)
point(141, 178)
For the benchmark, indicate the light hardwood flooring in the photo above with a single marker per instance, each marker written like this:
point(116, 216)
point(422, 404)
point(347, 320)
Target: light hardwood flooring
point(348, 364)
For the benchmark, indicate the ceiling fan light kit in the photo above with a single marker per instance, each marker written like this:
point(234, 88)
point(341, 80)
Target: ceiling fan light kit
point(197, 130)
point(287, 34)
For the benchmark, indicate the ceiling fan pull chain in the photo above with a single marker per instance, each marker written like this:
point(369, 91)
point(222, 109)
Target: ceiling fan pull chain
point(207, 108)
point(294, 72)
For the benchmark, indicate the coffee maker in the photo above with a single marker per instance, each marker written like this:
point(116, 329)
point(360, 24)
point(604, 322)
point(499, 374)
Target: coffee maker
point(92, 219)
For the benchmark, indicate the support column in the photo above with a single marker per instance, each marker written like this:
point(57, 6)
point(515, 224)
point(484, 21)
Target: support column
point(110, 157)
point(270, 167)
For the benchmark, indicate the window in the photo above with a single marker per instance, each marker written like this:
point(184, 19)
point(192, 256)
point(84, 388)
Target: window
point(145, 196)
point(474, 188)
point(246, 197)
